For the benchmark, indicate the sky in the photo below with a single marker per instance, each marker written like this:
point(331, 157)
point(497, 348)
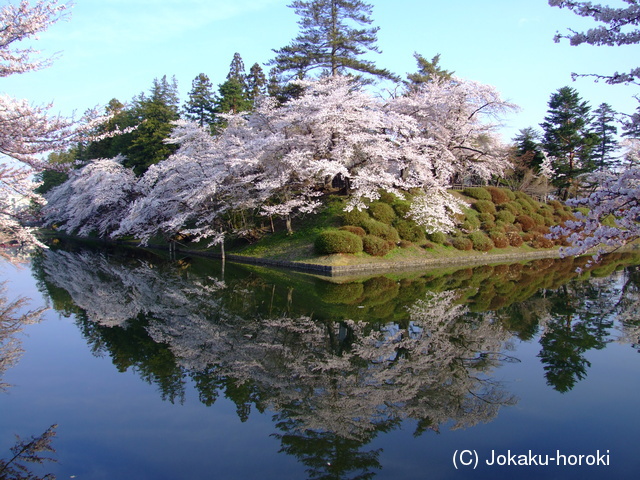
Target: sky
point(115, 48)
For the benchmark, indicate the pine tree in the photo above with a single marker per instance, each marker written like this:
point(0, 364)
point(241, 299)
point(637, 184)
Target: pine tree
point(428, 71)
point(256, 82)
point(334, 34)
point(604, 150)
point(528, 148)
point(569, 139)
point(155, 115)
point(200, 107)
point(237, 71)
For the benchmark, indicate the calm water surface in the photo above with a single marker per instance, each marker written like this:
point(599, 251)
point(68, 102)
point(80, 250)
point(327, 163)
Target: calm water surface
point(159, 369)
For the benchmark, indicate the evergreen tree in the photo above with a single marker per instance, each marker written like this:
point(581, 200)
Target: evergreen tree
point(232, 98)
point(155, 114)
point(122, 118)
point(604, 150)
point(527, 153)
point(427, 72)
point(334, 34)
point(256, 82)
point(568, 138)
point(237, 71)
point(200, 107)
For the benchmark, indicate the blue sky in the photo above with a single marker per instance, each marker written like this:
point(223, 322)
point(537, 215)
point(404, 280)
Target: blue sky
point(115, 48)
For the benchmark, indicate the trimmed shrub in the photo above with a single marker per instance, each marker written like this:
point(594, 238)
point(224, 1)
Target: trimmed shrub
point(479, 193)
point(387, 197)
point(401, 207)
point(462, 243)
point(405, 244)
point(359, 231)
point(409, 231)
point(376, 246)
point(499, 195)
point(515, 240)
point(470, 221)
point(539, 219)
point(540, 241)
point(526, 198)
point(382, 212)
point(355, 217)
point(525, 207)
point(506, 216)
point(486, 217)
point(500, 240)
point(526, 222)
point(512, 207)
point(338, 241)
point(556, 205)
point(485, 206)
point(437, 237)
point(481, 241)
point(382, 230)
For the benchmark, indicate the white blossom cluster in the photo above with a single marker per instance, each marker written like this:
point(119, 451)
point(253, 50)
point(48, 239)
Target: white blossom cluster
point(612, 219)
point(279, 159)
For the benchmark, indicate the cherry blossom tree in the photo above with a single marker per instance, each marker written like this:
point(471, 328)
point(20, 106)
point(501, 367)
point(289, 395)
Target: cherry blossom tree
point(422, 140)
point(613, 215)
point(95, 198)
point(185, 193)
point(617, 28)
point(27, 131)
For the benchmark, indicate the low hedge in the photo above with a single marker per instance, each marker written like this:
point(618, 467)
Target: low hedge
point(382, 230)
point(481, 242)
point(359, 231)
point(355, 217)
point(338, 241)
point(485, 206)
point(382, 212)
point(408, 230)
point(437, 237)
point(462, 243)
point(500, 195)
point(376, 246)
point(479, 193)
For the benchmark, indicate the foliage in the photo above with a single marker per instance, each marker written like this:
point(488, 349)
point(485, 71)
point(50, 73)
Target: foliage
point(155, 114)
point(328, 41)
point(382, 230)
point(359, 231)
point(500, 195)
point(28, 130)
point(437, 237)
point(485, 206)
point(338, 241)
point(35, 451)
point(376, 246)
point(93, 199)
point(569, 139)
point(480, 241)
point(462, 243)
point(428, 71)
point(500, 240)
point(614, 30)
point(200, 106)
point(382, 212)
point(479, 193)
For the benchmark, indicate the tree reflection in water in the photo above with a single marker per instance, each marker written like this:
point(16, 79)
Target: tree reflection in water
point(339, 363)
point(13, 319)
